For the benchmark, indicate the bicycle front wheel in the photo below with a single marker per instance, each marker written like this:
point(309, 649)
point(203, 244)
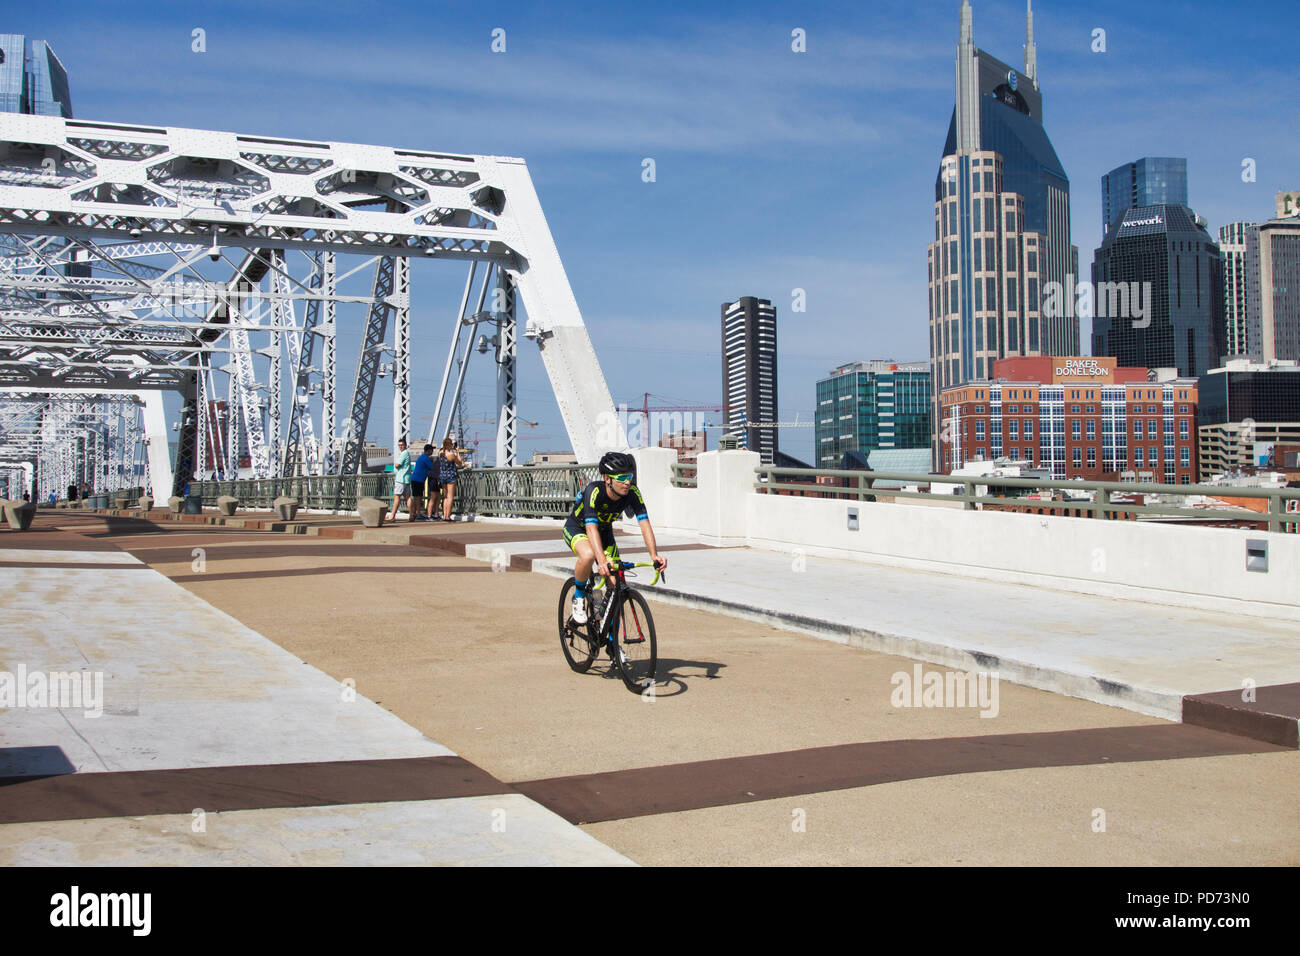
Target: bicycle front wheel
point(634, 642)
point(575, 639)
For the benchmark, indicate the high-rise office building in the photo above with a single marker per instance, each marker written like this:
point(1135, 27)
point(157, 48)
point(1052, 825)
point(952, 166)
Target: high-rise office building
point(1158, 303)
point(1149, 181)
point(1273, 283)
point(749, 373)
point(1245, 408)
point(1236, 289)
point(1001, 225)
point(32, 80)
point(866, 406)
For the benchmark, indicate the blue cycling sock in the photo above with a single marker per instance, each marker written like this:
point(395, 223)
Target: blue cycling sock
point(580, 588)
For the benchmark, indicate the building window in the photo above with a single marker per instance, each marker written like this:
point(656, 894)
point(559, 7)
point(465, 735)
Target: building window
point(1013, 431)
point(1029, 431)
point(979, 431)
point(1092, 458)
point(1078, 458)
point(1074, 430)
point(1182, 429)
point(1152, 430)
point(1184, 457)
point(1137, 430)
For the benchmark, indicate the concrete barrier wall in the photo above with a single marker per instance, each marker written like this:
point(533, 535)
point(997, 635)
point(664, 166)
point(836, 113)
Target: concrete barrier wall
point(1178, 565)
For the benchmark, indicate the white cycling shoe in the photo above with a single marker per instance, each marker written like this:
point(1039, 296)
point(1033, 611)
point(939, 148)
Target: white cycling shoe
point(579, 611)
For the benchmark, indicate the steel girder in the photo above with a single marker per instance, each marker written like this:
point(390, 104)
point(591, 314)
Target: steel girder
point(507, 424)
point(76, 183)
point(368, 363)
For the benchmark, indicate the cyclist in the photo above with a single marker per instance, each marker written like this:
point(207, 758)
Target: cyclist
point(589, 529)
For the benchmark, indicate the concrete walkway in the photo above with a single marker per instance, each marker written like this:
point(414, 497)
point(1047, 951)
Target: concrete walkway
point(760, 746)
point(209, 744)
point(1145, 658)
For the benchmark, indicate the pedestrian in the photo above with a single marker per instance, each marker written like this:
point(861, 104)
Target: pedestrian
point(72, 491)
point(423, 466)
point(449, 461)
point(401, 478)
point(432, 490)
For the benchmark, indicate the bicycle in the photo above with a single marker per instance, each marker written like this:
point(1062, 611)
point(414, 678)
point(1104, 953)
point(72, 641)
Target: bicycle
point(620, 623)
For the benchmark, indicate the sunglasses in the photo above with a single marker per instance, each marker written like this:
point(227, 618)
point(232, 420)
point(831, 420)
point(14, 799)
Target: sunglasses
point(625, 478)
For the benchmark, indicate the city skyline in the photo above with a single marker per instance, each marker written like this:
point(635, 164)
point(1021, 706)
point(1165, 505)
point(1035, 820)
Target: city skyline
point(750, 139)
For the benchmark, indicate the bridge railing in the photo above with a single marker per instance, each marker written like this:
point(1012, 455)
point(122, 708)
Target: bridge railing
point(1282, 512)
point(521, 492)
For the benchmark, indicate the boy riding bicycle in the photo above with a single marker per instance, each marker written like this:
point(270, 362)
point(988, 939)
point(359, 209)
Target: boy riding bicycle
point(589, 529)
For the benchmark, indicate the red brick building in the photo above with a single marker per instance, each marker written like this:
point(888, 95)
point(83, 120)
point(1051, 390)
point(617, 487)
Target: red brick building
point(1075, 416)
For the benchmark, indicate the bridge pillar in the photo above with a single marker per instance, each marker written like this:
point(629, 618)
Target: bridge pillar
point(725, 482)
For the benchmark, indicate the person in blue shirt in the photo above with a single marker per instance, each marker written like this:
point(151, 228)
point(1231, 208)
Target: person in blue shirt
point(423, 465)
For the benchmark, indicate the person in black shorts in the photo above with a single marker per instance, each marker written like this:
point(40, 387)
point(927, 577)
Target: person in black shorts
point(589, 528)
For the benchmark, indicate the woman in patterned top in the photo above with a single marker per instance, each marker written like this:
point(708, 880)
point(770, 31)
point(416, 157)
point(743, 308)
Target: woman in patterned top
point(448, 461)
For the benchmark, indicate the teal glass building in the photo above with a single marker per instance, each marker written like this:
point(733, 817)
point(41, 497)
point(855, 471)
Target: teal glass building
point(868, 406)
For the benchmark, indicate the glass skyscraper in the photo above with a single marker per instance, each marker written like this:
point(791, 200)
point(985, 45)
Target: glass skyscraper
point(32, 80)
point(1149, 181)
point(1158, 277)
point(1001, 224)
point(865, 406)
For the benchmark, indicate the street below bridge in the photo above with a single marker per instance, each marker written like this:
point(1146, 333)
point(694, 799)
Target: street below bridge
point(761, 746)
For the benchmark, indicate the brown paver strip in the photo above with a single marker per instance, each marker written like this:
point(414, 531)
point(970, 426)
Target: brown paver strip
point(50, 539)
point(601, 797)
point(80, 796)
point(1273, 715)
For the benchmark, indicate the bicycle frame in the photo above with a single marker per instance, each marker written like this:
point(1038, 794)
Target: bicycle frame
point(618, 595)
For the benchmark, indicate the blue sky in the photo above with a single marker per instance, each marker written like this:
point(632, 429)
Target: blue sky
point(775, 170)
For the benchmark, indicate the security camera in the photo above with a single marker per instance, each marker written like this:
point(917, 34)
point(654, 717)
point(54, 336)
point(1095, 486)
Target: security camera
point(135, 232)
point(214, 253)
point(430, 251)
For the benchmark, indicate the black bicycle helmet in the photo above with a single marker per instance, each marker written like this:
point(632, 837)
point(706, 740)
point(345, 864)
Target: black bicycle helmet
point(618, 463)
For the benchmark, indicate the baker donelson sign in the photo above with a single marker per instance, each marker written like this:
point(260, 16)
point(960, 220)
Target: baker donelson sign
point(1083, 367)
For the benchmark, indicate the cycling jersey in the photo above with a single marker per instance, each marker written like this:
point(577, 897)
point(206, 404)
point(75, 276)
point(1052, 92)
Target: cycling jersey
point(595, 506)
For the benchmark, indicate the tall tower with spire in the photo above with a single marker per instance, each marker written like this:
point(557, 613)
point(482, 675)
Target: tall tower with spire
point(1001, 225)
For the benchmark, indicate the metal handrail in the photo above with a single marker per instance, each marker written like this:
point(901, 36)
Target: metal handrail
point(1283, 502)
point(521, 492)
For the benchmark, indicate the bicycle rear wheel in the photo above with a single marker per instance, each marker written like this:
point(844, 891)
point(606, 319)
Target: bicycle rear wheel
point(635, 647)
point(575, 639)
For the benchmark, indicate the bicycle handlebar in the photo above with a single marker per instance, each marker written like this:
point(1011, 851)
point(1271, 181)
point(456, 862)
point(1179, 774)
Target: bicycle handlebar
point(628, 566)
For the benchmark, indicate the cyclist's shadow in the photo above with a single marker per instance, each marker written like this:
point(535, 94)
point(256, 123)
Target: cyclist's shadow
point(673, 674)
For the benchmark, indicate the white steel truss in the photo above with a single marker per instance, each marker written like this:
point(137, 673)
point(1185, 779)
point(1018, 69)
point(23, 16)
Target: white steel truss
point(107, 231)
